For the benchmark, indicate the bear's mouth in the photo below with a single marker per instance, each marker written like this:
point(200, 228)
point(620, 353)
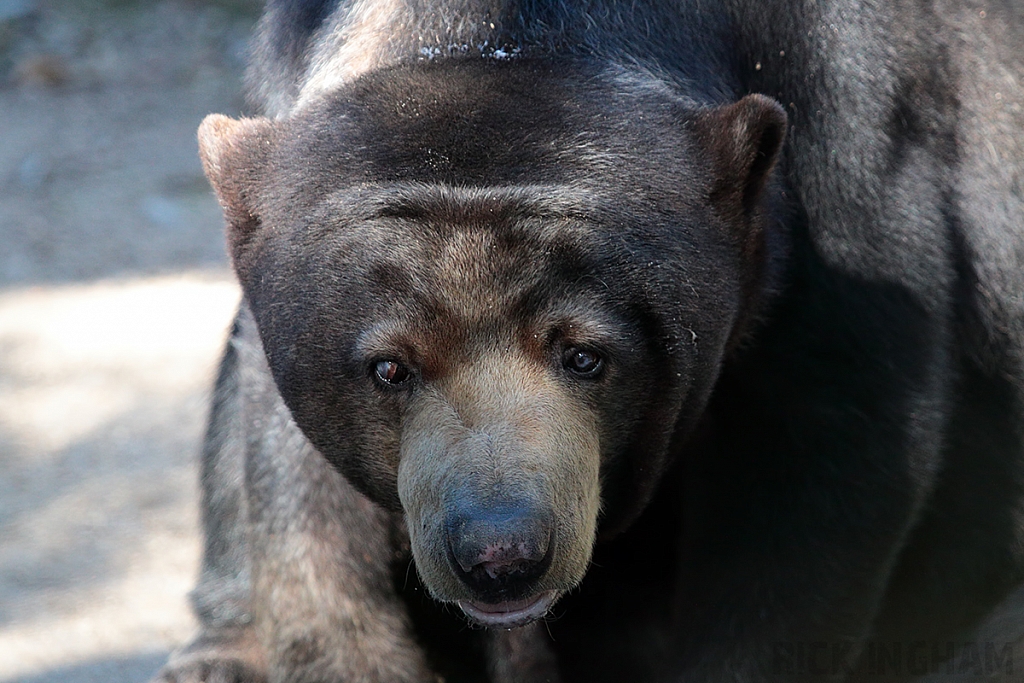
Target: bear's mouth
point(509, 614)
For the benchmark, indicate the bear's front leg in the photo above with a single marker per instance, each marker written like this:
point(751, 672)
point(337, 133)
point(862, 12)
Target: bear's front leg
point(217, 655)
point(297, 582)
point(226, 649)
point(324, 602)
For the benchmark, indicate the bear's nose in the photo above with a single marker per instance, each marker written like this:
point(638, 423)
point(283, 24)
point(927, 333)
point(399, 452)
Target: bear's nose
point(499, 551)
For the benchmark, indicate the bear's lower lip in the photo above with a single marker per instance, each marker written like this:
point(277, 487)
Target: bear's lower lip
point(509, 614)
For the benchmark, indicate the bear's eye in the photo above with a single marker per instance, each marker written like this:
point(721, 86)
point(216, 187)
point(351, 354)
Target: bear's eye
point(391, 372)
point(583, 362)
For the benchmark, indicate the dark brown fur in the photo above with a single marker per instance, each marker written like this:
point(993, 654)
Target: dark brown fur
point(807, 427)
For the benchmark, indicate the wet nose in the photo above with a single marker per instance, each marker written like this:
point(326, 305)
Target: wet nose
point(500, 550)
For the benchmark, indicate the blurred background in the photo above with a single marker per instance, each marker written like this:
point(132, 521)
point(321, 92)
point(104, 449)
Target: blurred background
point(115, 298)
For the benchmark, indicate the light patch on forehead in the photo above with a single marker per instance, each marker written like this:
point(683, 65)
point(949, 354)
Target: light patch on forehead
point(477, 280)
point(474, 252)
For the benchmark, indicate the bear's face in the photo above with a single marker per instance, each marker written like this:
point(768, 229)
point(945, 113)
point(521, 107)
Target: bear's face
point(493, 295)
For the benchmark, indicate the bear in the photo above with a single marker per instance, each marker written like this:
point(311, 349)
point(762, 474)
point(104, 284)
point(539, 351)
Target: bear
point(602, 341)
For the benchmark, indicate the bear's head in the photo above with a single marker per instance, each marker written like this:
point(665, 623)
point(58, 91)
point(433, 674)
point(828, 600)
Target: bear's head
point(496, 295)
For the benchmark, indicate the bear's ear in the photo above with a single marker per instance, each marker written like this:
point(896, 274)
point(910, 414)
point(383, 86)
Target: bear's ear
point(743, 140)
point(234, 154)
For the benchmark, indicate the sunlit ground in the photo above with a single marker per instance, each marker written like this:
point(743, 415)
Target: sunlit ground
point(103, 393)
point(114, 302)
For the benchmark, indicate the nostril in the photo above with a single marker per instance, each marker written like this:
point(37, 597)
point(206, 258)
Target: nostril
point(505, 569)
point(500, 559)
point(497, 570)
point(495, 552)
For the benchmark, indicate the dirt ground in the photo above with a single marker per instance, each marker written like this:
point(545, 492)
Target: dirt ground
point(114, 301)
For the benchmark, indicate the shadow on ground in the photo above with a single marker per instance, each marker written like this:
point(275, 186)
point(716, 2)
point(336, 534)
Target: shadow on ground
point(113, 670)
point(99, 170)
point(75, 520)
